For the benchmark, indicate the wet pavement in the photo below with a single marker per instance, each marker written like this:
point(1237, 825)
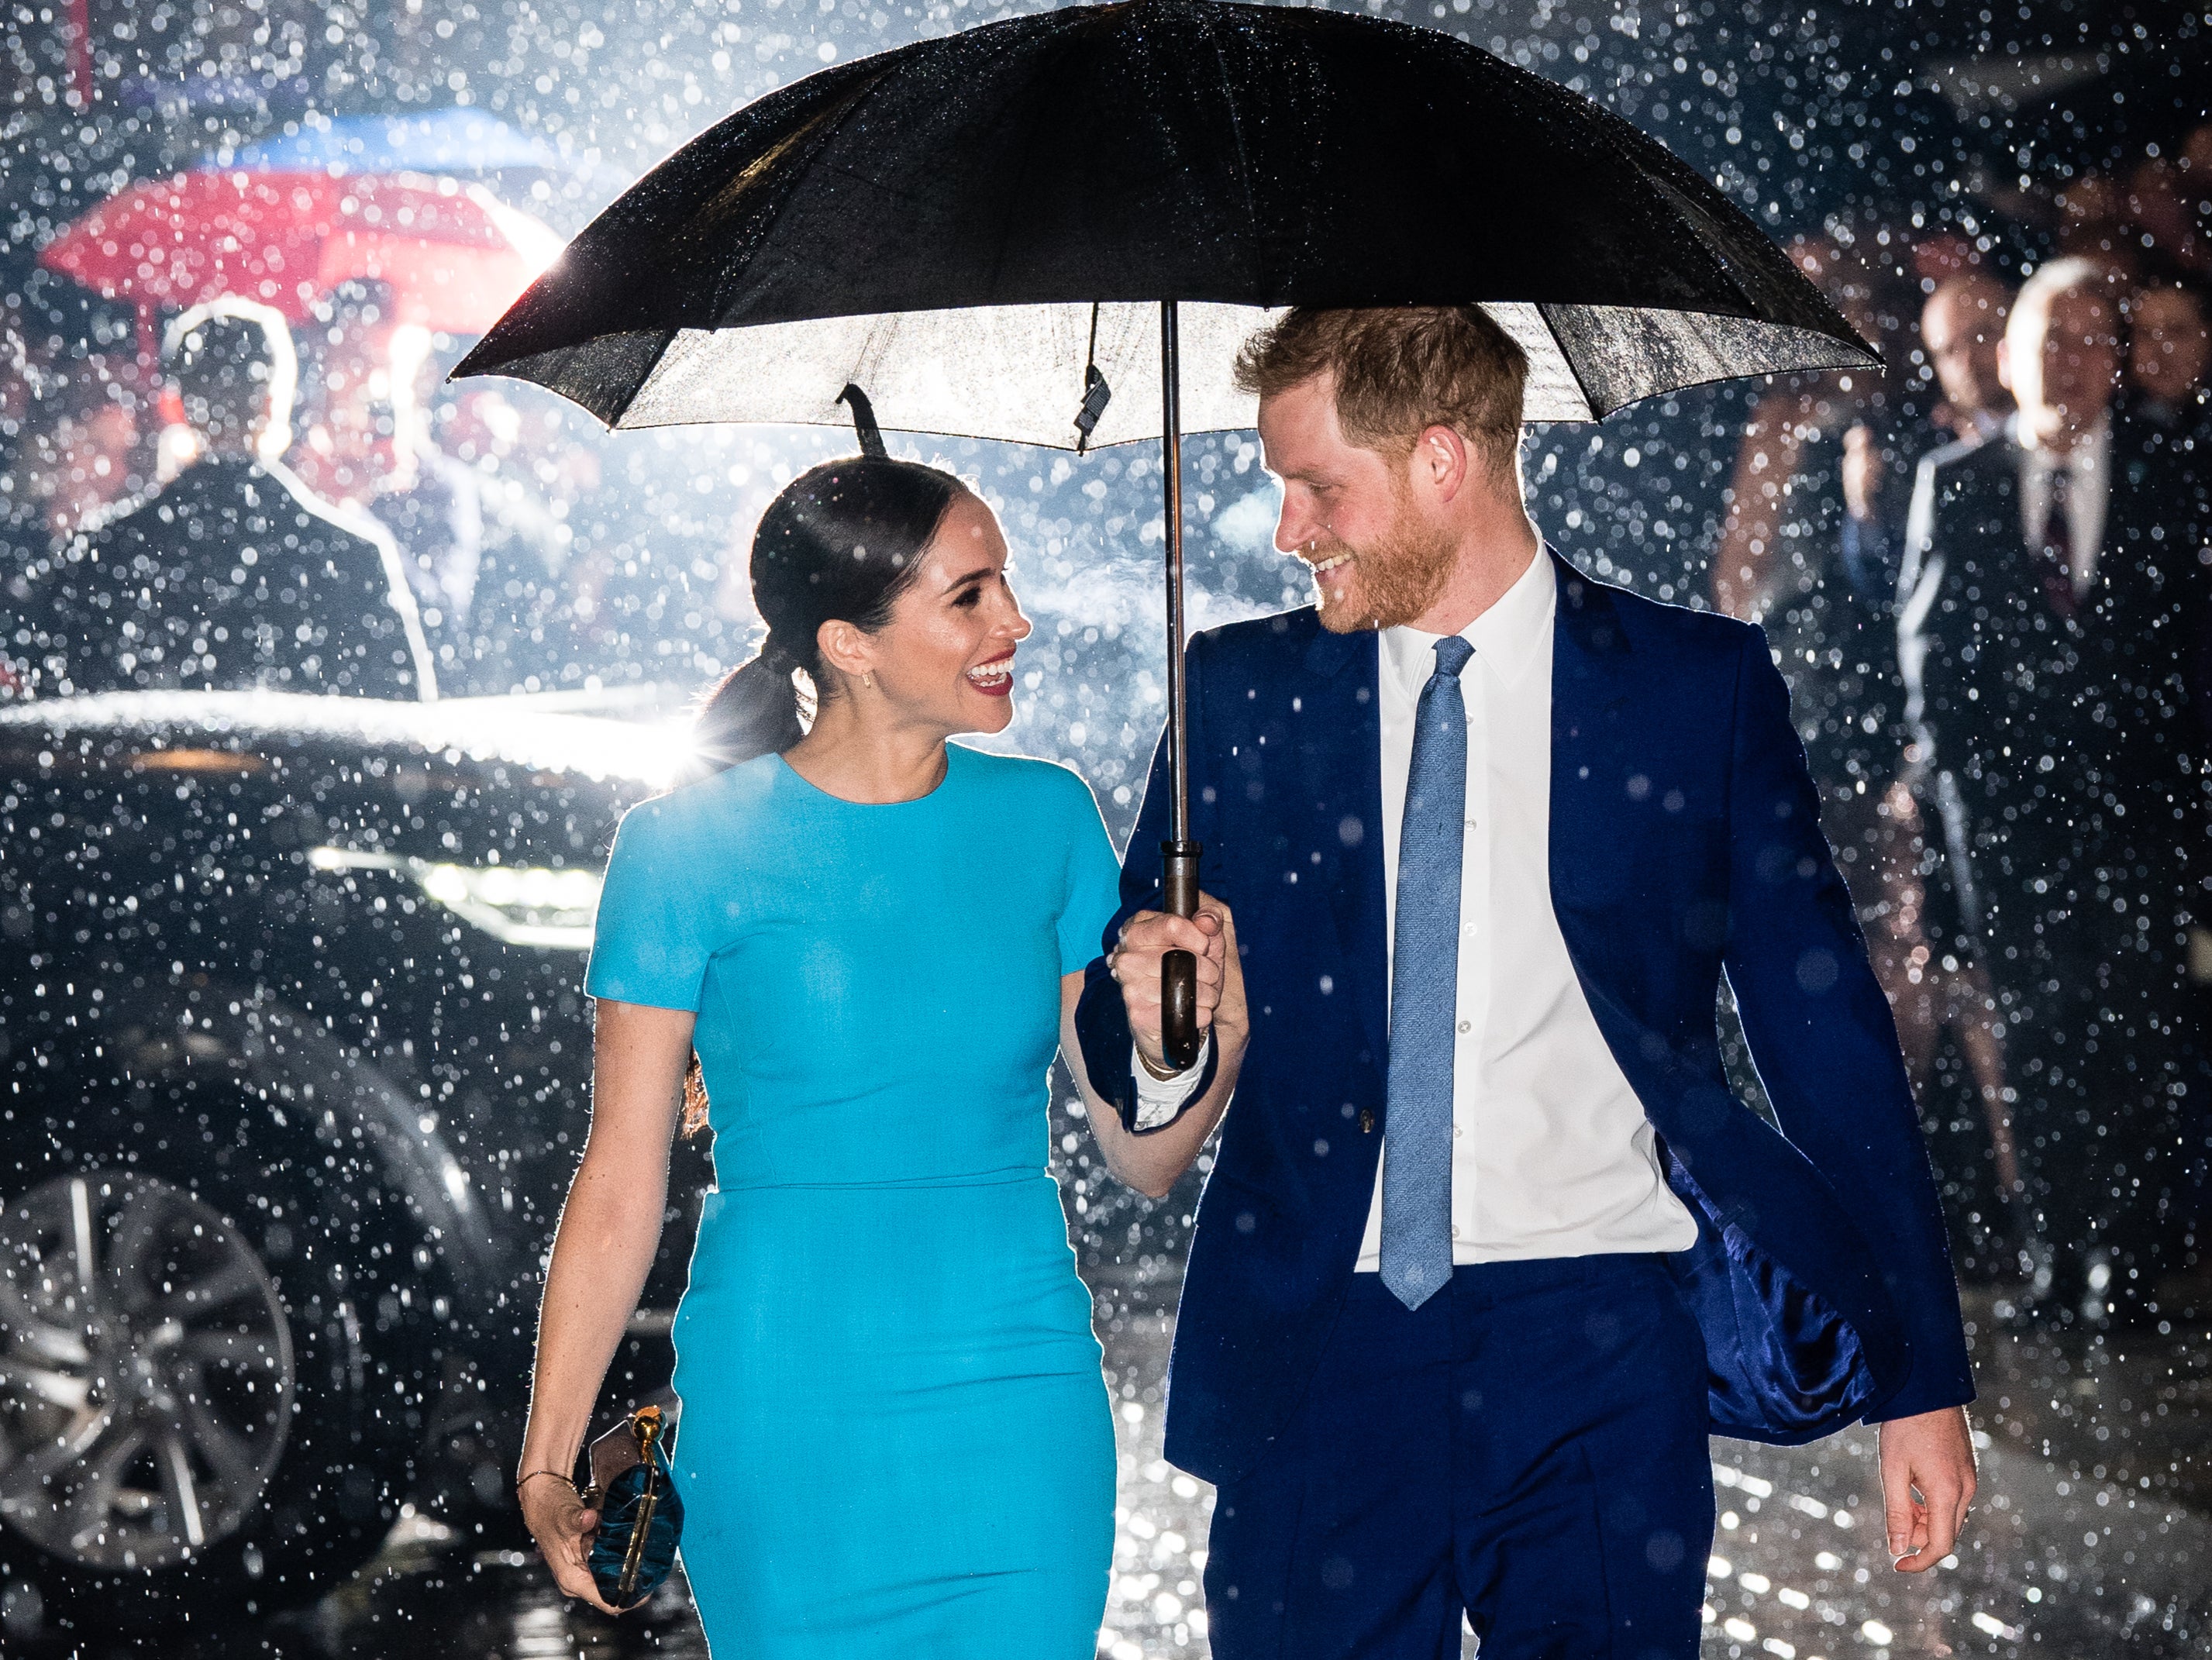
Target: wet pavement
point(2093, 1537)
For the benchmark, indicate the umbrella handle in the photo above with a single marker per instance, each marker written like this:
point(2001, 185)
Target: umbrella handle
point(1179, 1029)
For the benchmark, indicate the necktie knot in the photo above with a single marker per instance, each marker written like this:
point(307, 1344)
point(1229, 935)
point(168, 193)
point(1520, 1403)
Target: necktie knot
point(1452, 655)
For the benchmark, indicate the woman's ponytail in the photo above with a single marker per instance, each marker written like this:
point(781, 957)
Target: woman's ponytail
point(753, 711)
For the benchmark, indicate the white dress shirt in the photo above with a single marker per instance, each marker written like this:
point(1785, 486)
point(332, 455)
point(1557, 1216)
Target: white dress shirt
point(2088, 467)
point(1552, 1155)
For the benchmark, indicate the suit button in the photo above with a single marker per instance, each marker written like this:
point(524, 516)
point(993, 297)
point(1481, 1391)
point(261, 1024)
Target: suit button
point(1366, 1122)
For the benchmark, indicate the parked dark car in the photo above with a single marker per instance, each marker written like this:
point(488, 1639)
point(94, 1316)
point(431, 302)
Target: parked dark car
point(292, 1076)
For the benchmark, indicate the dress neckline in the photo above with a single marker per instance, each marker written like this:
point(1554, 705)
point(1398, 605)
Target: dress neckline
point(813, 788)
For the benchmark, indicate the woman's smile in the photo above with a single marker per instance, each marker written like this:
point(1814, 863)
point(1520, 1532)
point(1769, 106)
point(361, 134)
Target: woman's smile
point(995, 678)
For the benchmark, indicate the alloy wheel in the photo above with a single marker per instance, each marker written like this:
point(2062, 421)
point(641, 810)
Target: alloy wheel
point(146, 1376)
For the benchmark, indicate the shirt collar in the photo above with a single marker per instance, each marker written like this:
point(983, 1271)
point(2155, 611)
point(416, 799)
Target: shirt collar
point(1506, 638)
point(2085, 459)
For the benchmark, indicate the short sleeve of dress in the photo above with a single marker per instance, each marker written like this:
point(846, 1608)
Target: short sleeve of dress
point(647, 945)
point(1094, 880)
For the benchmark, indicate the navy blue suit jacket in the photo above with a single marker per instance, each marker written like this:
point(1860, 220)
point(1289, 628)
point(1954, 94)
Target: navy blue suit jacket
point(1684, 842)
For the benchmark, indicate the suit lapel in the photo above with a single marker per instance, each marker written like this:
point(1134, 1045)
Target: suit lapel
point(1344, 781)
point(1589, 682)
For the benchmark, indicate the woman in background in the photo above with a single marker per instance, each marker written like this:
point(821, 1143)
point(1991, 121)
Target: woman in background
point(896, 1439)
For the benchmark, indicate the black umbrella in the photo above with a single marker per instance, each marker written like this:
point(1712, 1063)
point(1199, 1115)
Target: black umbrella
point(981, 230)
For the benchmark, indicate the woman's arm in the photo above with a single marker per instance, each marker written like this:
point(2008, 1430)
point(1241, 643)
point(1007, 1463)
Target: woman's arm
point(1153, 1162)
point(610, 1229)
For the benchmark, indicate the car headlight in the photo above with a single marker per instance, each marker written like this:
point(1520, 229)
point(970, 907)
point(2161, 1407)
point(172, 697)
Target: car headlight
point(517, 904)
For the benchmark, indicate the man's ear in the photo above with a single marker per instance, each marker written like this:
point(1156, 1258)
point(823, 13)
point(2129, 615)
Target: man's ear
point(2005, 362)
point(1441, 461)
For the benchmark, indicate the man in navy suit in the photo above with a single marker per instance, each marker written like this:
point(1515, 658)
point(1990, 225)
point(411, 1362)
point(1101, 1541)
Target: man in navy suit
point(1489, 1249)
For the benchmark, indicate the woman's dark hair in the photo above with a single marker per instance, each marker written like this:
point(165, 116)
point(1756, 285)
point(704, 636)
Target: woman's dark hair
point(840, 543)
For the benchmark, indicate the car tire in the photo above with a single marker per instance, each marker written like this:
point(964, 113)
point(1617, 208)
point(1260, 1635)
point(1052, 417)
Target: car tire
point(206, 1406)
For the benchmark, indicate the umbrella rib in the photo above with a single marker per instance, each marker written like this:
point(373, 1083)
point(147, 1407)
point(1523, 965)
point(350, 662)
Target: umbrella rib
point(1237, 131)
point(1057, 55)
point(1544, 309)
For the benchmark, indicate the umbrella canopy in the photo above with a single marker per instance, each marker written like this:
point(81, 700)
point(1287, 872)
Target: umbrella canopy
point(452, 255)
point(456, 141)
point(975, 233)
point(935, 224)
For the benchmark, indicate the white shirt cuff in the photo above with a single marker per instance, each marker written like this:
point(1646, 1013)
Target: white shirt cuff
point(1159, 1099)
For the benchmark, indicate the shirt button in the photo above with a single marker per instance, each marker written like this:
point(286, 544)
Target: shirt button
point(1466, 1026)
point(1455, 1132)
point(1454, 1233)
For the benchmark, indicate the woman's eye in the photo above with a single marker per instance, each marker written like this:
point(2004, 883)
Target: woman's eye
point(967, 598)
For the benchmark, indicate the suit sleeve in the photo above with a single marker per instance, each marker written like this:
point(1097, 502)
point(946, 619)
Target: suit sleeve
point(1101, 1023)
point(1822, 1034)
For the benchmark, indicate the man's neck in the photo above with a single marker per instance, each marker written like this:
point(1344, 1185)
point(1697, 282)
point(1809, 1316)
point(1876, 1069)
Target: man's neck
point(1494, 553)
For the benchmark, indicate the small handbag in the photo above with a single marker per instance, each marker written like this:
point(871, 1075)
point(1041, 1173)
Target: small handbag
point(640, 1517)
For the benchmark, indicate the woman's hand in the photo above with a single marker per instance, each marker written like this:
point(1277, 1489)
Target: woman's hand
point(602, 1251)
point(554, 1514)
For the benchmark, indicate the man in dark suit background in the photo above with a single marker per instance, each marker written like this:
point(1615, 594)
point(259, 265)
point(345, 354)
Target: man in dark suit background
point(232, 574)
point(2053, 606)
point(1489, 1249)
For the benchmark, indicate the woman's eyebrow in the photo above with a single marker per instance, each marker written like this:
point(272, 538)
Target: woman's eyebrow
point(980, 573)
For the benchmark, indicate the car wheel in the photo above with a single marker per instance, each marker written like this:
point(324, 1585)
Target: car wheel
point(196, 1419)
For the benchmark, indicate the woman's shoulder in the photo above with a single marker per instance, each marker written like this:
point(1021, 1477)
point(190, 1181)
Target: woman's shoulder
point(1048, 786)
point(714, 807)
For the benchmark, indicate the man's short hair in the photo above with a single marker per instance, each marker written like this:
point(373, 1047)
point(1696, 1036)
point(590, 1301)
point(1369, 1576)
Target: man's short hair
point(233, 364)
point(1398, 370)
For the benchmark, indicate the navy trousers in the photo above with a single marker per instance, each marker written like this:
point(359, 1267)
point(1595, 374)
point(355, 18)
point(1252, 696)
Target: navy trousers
point(1528, 1446)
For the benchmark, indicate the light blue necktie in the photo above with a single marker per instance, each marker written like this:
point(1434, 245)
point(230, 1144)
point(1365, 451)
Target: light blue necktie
point(1417, 1138)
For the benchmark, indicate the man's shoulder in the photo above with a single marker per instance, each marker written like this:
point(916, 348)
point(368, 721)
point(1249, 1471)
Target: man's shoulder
point(1977, 456)
point(1284, 633)
point(330, 521)
point(1608, 616)
point(1258, 650)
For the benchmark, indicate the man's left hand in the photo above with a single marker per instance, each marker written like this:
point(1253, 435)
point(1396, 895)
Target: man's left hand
point(1926, 1482)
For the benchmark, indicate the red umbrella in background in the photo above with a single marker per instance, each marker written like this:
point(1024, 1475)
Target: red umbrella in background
point(454, 256)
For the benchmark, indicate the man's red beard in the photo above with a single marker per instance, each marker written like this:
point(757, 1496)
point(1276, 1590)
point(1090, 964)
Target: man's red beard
point(1391, 582)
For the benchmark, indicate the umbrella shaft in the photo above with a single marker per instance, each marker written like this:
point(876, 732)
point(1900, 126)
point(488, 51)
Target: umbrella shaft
point(1172, 484)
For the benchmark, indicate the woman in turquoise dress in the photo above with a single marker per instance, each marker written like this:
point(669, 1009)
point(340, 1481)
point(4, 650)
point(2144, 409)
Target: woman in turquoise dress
point(895, 1440)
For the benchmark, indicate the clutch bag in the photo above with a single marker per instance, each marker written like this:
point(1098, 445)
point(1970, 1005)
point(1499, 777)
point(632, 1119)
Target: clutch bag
point(640, 1517)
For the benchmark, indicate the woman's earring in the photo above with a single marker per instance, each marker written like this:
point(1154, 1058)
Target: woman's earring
point(869, 681)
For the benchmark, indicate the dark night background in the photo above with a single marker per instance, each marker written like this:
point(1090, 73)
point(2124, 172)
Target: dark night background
point(1909, 139)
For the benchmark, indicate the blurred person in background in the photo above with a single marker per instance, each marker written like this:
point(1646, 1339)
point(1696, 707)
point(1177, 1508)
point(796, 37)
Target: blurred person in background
point(71, 435)
point(1936, 991)
point(1802, 551)
point(1960, 328)
point(2050, 591)
point(476, 541)
point(77, 446)
point(231, 574)
point(515, 604)
point(2169, 350)
point(1807, 549)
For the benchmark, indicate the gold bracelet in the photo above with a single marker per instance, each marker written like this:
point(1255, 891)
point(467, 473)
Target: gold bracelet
point(520, 1480)
point(1159, 1077)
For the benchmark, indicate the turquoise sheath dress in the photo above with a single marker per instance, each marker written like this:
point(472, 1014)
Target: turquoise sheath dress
point(895, 1439)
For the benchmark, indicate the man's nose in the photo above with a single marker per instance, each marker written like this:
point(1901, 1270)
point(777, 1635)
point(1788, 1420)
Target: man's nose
point(1294, 527)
